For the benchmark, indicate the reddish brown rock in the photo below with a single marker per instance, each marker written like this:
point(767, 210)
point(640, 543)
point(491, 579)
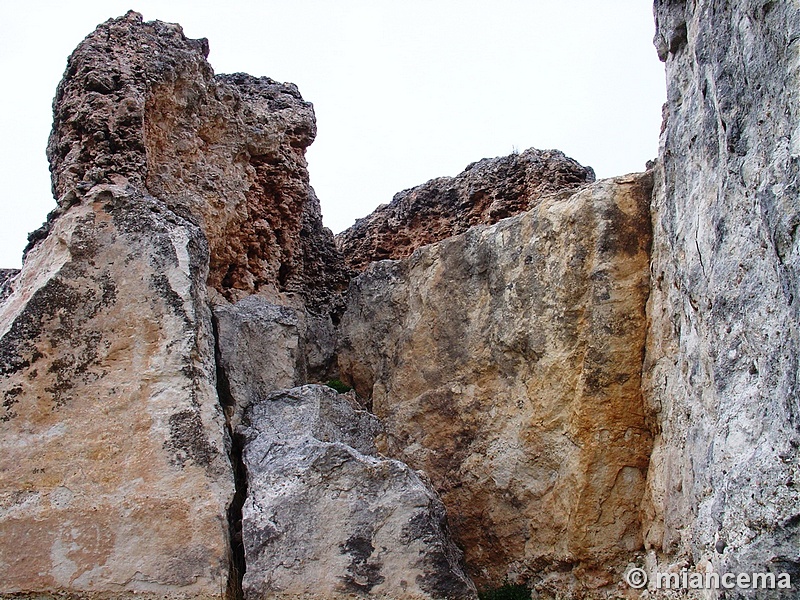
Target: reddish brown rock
point(140, 105)
point(485, 192)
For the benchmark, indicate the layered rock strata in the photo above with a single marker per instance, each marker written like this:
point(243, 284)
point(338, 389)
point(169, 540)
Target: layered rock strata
point(485, 192)
point(721, 372)
point(505, 362)
point(326, 517)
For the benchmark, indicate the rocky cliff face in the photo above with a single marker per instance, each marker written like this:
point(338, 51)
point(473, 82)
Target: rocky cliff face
point(487, 191)
point(139, 105)
point(721, 368)
point(505, 363)
point(577, 390)
point(183, 278)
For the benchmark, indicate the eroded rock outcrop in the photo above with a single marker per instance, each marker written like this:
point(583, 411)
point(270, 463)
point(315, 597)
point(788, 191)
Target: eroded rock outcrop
point(140, 105)
point(505, 362)
point(115, 477)
point(485, 192)
point(721, 373)
point(326, 517)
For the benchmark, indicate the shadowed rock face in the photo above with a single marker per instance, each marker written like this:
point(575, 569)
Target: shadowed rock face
point(505, 362)
point(721, 372)
point(487, 191)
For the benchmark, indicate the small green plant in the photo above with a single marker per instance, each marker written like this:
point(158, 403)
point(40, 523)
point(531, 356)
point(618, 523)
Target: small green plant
point(507, 592)
point(339, 385)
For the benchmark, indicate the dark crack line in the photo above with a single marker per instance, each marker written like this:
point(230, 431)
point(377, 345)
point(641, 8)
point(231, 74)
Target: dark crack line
point(238, 566)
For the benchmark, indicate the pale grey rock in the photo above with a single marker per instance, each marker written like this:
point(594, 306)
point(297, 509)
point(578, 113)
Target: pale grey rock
point(114, 475)
point(260, 350)
point(264, 347)
point(326, 517)
point(721, 370)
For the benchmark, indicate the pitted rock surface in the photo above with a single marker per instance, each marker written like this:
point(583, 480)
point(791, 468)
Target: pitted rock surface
point(140, 105)
point(114, 473)
point(485, 192)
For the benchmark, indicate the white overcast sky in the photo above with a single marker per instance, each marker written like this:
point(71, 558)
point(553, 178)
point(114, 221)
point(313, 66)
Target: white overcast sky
point(404, 90)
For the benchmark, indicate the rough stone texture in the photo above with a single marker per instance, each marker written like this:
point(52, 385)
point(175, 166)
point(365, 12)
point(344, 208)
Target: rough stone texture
point(139, 104)
point(260, 350)
point(325, 517)
point(505, 363)
point(113, 471)
point(6, 280)
point(485, 192)
point(721, 371)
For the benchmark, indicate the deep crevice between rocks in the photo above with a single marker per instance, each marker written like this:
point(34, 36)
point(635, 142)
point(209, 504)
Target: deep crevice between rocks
point(237, 566)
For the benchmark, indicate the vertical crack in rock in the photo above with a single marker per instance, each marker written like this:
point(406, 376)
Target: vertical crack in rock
point(238, 565)
point(167, 178)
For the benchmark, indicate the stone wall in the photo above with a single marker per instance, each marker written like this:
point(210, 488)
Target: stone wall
point(721, 371)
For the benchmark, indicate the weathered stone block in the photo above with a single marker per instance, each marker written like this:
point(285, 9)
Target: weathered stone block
point(326, 517)
point(505, 362)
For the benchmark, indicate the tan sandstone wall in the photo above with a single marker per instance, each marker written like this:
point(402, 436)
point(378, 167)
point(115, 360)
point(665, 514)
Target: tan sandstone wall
point(505, 363)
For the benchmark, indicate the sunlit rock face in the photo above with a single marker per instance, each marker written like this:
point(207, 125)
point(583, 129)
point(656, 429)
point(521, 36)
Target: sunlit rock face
point(505, 362)
point(721, 370)
point(485, 192)
point(114, 473)
point(326, 517)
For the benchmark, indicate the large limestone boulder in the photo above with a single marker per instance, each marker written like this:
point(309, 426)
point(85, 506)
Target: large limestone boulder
point(115, 477)
point(721, 371)
point(485, 192)
point(505, 362)
point(326, 517)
